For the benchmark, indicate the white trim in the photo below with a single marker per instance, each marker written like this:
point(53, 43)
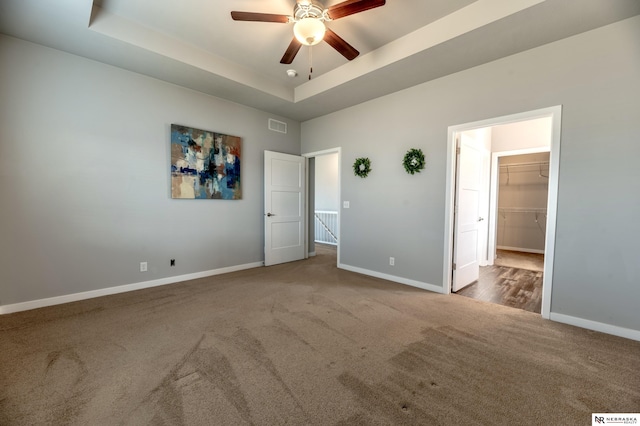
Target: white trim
point(449, 204)
point(306, 207)
point(311, 253)
point(555, 113)
point(523, 250)
point(627, 333)
point(327, 243)
point(400, 280)
point(58, 300)
point(314, 154)
point(322, 152)
point(552, 210)
point(522, 151)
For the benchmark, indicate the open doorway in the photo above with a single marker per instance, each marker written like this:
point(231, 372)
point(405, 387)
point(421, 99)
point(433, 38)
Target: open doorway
point(474, 215)
point(323, 205)
point(514, 277)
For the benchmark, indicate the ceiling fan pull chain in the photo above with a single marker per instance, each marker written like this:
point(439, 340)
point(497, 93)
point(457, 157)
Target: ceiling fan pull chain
point(310, 63)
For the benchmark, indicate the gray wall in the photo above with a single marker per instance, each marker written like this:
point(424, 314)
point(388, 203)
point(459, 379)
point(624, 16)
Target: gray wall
point(326, 182)
point(85, 177)
point(595, 77)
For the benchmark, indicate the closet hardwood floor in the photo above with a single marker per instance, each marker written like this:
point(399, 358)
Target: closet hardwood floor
point(514, 287)
point(517, 259)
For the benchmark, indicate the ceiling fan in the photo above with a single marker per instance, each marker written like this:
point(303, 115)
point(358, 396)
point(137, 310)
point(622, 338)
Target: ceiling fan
point(309, 29)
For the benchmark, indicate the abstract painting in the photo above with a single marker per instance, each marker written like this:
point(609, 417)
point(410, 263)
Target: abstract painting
point(204, 164)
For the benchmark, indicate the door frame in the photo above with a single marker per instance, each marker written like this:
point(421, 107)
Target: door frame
point(315, 154)
point(555, 113)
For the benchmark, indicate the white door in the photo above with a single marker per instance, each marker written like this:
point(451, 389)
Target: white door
point(466, 268)
point(284, 198)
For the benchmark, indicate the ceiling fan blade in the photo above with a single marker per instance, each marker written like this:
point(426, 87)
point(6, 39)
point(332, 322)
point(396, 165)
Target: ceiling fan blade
point(291, 52)
point(340, 45)
point(259, 17)
point(349, 7)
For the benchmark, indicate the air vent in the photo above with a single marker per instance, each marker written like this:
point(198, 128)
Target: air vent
point(277, 126)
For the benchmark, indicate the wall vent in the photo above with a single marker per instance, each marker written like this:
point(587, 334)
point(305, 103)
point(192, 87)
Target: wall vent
point(277, 126)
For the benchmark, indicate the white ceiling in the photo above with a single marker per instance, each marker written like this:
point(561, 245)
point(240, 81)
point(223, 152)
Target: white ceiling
point(196, 44)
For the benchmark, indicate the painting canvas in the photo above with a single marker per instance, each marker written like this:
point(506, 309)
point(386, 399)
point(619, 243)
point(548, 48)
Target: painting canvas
point(204, 164)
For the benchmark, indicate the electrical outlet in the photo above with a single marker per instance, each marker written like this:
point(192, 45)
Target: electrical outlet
point(345, 204)
point(173, 262)
point(143, 266)
point(392, 261)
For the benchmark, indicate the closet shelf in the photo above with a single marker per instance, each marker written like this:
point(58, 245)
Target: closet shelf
point(541, 166)
point(521, 210)
point(532, 163)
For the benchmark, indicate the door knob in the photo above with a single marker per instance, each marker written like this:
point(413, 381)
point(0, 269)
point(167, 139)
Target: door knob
point(270, 214)
point(480, 219)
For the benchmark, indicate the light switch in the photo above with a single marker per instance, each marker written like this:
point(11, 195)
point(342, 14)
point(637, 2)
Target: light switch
point(345, 204)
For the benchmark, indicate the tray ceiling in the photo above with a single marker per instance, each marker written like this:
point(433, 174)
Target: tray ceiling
point(196, 44)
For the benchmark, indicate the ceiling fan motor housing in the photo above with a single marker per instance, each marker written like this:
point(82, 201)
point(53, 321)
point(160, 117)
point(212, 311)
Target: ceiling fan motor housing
point(309, 9)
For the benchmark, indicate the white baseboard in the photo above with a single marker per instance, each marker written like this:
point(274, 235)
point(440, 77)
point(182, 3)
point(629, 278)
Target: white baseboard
point(524, 250)
point(627, 333)
point(311, 253)
point(406, 281)
point(51, 301)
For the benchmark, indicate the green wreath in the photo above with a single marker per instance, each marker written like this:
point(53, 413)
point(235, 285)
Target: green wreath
point(362, 167)
point(413, 161)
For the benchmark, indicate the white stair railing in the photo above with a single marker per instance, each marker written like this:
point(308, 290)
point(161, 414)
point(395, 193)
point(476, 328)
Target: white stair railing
point(326, 227)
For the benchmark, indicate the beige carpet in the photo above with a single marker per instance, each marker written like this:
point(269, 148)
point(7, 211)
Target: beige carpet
point(305, 343)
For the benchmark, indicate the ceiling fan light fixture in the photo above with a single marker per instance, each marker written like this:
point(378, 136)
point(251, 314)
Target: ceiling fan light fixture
point(309, 31)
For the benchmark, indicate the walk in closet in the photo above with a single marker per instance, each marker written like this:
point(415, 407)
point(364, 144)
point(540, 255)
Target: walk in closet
point(522, 202)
